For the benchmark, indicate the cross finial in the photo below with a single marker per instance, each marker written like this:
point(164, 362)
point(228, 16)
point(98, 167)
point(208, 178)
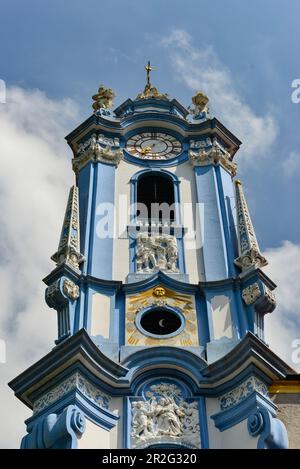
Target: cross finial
point(148, 69)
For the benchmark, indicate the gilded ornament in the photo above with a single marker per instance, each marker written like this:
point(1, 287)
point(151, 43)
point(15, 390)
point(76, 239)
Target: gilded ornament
point(103, 98)
point(159, 291)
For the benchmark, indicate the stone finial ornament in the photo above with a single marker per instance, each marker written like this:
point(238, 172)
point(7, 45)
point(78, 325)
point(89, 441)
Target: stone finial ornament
point(69, 245)
point(103, 99)
point(249, 253)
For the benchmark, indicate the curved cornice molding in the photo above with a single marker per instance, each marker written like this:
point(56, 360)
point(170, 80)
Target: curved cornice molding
point(250, 356)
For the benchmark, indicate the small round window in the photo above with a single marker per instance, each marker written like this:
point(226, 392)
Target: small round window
point(161, 322)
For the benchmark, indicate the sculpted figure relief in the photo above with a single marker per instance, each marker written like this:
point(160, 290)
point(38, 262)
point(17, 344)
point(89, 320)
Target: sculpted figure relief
point(163, 415)
point(98, 148)
point(168, 415)
point(156, 252)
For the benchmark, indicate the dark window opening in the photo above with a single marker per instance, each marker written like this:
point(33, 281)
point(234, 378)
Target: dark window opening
point(160, 322)
point(156, 194)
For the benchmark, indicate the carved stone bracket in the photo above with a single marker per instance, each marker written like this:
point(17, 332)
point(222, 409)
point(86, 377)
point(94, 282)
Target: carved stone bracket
point(55, 297)
point(56, 431)
point(61, 295)
point(272, 432)
point(265, 301)
point(213, 156)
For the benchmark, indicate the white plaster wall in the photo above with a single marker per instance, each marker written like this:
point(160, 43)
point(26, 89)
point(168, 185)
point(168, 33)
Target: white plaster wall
point(100, 317)
point(221, 317)
point(116, 433)
point(124, 173)
point(214, 435)
point(187, 188)
point(236, 437)
point(96, 437)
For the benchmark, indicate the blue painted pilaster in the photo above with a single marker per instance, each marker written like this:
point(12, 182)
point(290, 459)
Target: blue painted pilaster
point(211, 223)
point(97, 197)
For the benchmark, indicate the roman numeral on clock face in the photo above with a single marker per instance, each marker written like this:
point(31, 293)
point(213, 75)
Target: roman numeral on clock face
point(153, 145)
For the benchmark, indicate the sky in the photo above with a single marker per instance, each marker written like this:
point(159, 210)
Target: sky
point(53, 56)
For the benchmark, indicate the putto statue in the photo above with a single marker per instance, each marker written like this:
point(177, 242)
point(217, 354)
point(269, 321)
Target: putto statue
point(200, 108)
point(103, 99)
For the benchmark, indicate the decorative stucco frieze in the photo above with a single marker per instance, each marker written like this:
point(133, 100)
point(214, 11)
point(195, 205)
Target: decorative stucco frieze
point(265, 301)
point(164, 416)
point(241, 392)
point(249, 253)
point(200, 144)
point(98, 148)
point(213, 156)
point(156, 252)
point(71, 289)
point(251, 294)
point(73, 382)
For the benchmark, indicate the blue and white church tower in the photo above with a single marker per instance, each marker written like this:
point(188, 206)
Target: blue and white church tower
point(158, 289)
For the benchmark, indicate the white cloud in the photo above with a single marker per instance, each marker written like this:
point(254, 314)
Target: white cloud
point(34, 179)
point(283, 325)
point(200, 68)
point(291, 165)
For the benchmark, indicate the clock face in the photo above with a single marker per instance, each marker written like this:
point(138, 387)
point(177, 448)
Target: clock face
point(153, 146)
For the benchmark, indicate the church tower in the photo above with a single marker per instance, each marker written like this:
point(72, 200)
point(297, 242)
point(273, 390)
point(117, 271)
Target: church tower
point(158, 289)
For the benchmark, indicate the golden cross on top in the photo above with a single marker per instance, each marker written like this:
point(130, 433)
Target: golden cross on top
point(148, 69)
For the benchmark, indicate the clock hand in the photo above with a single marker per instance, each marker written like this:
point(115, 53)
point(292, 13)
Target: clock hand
point(145, 150)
